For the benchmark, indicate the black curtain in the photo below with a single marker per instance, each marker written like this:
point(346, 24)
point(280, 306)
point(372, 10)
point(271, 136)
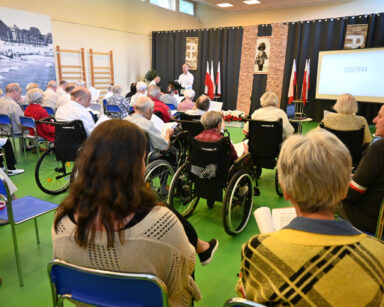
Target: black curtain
point(224, 45)
point(307, 38)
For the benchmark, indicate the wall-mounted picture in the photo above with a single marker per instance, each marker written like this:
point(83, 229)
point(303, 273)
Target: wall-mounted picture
point(26, 48)
point(263, 48)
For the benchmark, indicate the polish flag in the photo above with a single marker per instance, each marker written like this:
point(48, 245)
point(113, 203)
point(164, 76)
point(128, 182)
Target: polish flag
point(209, 90)
point(292, 83)
point(213, 78)
point(218, 80)
point(305, 87)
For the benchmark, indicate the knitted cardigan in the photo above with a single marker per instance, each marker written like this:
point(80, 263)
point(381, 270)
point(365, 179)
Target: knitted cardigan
point(156, 245)
point(336, 267)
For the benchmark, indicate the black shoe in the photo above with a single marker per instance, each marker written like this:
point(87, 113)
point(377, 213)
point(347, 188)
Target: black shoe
point(207, 256)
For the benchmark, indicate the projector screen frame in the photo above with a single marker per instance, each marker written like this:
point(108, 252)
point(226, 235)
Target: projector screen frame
point(367, 99)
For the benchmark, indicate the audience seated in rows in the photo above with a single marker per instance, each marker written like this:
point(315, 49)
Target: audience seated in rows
point(119, 100)
point(37, 112)
point(187, 103)
point(346, 119)
point(64, 99)
point(141, 88)
point(169, 96)
point(61, 89)
point(270, 112)
point(159, 107)
point(77, 109)
point(123, 227)
point(366, 189)
point(142, 118)
point(50, 96)
point(201, 106)
point(315, 260)
point(10, 107)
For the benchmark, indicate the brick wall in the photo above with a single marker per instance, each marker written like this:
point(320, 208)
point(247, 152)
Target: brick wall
point(278, 42)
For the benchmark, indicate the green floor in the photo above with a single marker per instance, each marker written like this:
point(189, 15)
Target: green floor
point(216, 281)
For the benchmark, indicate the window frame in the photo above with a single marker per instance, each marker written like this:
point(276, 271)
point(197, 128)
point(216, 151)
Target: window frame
point(194, 7)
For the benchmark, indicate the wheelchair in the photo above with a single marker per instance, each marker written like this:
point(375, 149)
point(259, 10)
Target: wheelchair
point(205, 174)
point(54, 168)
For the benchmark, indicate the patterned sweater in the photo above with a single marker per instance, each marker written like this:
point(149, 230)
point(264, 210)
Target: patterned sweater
point(313, 263)
point(156, 245)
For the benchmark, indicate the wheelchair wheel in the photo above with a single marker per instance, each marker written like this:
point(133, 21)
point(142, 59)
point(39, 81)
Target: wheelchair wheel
point(237, 204)
point(158, 174)
point(52, 176)
point(277, 185)
point(181, 193)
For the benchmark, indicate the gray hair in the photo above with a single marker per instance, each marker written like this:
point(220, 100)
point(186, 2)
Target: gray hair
point(52, 84)
point(211, 119)
point(116, 89)
point(31, 86)
point(153, 90)
point(141, 86)
point(35, 95)
point(189, 94)
point(143, 103)
point(81, 83)
point(11, 87)
point(346, 104)
point(269, 99)
point(315, 170)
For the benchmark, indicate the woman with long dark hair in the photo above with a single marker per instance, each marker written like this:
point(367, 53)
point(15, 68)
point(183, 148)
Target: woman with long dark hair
point(110, 221)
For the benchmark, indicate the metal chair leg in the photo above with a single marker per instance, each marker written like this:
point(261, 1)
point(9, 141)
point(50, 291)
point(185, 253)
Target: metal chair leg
point(37, 231)
point(17, 256)
point(25, 151)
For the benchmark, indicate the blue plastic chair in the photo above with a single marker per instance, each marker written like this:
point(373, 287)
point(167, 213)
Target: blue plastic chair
point(104, 288)
point(29, 123)
point(171, 106)
point(49, 110)
point(113, 110)
point(6, 128)
point(19, 211)
point(241, 302)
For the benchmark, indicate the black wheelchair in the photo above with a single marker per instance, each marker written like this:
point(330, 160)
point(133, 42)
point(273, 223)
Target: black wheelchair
point(208, 171)
point(53, 169)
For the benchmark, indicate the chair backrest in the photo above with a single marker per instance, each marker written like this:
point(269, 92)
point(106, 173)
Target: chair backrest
point(185, 116)
point(105, 288)
point(171, 106)
point(194, 127)
point(69, 137)
point(96, 107)
point(210, 162)
point(265, 138)
point(27, 122)
point(380, 223)
point(112, 108)
point(5, 124)
point(241, 302)
point(49, 110)
point(5, 119)
point(353, 140)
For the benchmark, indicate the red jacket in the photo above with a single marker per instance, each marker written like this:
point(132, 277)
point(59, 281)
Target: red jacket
point(37, 112)
point(162, 108)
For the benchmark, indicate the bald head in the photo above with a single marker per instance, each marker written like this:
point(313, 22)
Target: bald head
point(82, 96)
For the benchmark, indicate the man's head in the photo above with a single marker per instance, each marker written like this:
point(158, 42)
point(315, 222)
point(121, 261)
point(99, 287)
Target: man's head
point(82, 96)
point(379, 122)
point(116, 90)
point(157, 79)
point(31, 86)
point(35, 95)
point(203, 102)
point(314, 171)
point(63, 84)
point(212, 120)
point(154, 91)
point(185, 68)
point(52, 85)
point(144, 106)
point(141, 87)
point(13, 90)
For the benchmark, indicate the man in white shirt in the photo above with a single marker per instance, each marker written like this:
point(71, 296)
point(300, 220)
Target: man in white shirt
point(50, 96)
point(186, 78)
point(77, 109)
point(141, 88)
point(61, 88)
point(142, 118)
point(64, 99)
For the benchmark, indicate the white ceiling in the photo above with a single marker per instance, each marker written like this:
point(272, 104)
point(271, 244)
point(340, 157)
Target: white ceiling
point(240, 7)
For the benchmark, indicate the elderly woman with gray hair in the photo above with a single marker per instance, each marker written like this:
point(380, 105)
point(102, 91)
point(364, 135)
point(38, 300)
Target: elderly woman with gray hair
point(316, 259)
point(37, 112)
point(270, 112)
point(119, 100)
point(346, 119)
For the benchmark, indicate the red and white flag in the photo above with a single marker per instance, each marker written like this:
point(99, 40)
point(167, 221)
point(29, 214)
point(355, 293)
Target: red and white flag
point(292, 83)
point(218, 80)
point(209, 89)
point(305, 87)
point(213, 77)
